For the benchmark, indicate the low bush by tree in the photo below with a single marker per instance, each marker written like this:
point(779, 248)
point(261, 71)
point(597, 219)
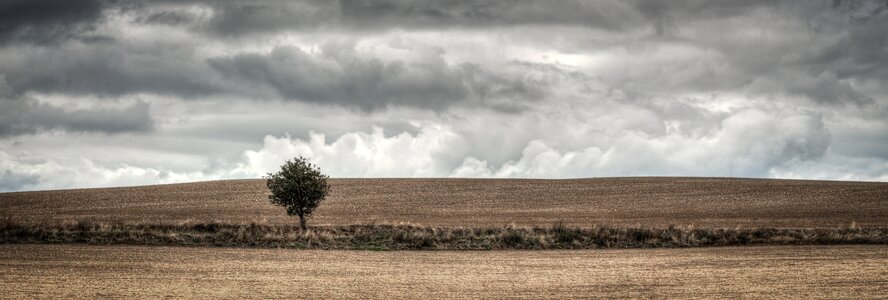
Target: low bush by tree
point(299, 187)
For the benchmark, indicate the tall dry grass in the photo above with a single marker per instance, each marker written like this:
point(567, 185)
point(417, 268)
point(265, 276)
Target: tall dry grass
point(411, 237)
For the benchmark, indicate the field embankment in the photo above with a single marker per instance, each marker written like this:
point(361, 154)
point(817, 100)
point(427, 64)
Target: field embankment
point(408, 237)
point(77, 271)
point(622, 202)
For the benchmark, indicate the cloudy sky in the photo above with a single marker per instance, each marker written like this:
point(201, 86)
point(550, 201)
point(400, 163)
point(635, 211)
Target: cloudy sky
point(108, 93)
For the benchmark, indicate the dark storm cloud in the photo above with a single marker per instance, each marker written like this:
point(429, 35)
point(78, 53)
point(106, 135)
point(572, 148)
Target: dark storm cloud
point(841, 40)
point(844, 46)
point(172, 18)
point(239, 17)
point(48, 21)
point(848, 44)
point(107, 70)
point(337, 76)
point(236, 17)
point(819, 50)
point(341, 76)
point(612, 15)
point(27, 116)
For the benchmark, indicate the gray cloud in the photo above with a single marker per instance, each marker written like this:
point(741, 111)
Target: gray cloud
point(611, 15)
point(110, 69)
point(818, 50)
point(821, 51)
point(339, 75)
point(48, 21)
point(234, 18)
point(27, 116)
point(10, 181)
point(237, 18)
point(484, 88)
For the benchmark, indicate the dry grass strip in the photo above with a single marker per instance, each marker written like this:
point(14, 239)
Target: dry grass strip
point(411, 237)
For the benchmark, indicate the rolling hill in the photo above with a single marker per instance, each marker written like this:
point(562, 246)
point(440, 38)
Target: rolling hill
point(636, 201)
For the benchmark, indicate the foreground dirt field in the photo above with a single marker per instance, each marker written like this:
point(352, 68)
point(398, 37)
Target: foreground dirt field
point(704, 202)
point(74, 271)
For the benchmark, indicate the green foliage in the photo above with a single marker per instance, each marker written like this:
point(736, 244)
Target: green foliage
point(299, 187)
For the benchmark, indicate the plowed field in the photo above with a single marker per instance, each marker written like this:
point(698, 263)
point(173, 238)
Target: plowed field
point(703, 202)
point(75, 271)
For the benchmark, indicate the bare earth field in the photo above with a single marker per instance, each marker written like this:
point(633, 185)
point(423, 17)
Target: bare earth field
point(76, 271)
point(647, 202)
point(82, 271)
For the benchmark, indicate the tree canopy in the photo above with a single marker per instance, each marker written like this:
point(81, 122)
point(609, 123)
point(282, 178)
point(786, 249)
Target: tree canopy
point(299, 187)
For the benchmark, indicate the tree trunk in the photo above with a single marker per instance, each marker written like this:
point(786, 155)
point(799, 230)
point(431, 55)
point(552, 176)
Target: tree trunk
point(302, 221)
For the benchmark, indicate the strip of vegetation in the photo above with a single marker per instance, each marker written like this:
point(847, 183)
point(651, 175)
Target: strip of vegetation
point(409, 237)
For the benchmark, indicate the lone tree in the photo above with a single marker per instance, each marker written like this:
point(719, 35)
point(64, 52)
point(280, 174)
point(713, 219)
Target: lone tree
point(299, 187)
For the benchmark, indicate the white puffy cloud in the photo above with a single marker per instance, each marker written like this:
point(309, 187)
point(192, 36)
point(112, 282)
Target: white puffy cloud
point(362, 154)
point(29, 174)
point(747, 143)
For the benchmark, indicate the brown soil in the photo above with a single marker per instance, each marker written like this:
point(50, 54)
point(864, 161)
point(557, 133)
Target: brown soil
point(647, 202)
point(76, 271)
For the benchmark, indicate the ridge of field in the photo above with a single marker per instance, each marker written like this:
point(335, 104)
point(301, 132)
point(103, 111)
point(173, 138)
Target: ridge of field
point(632, 201)
point(73, 271)
point(408, 237)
